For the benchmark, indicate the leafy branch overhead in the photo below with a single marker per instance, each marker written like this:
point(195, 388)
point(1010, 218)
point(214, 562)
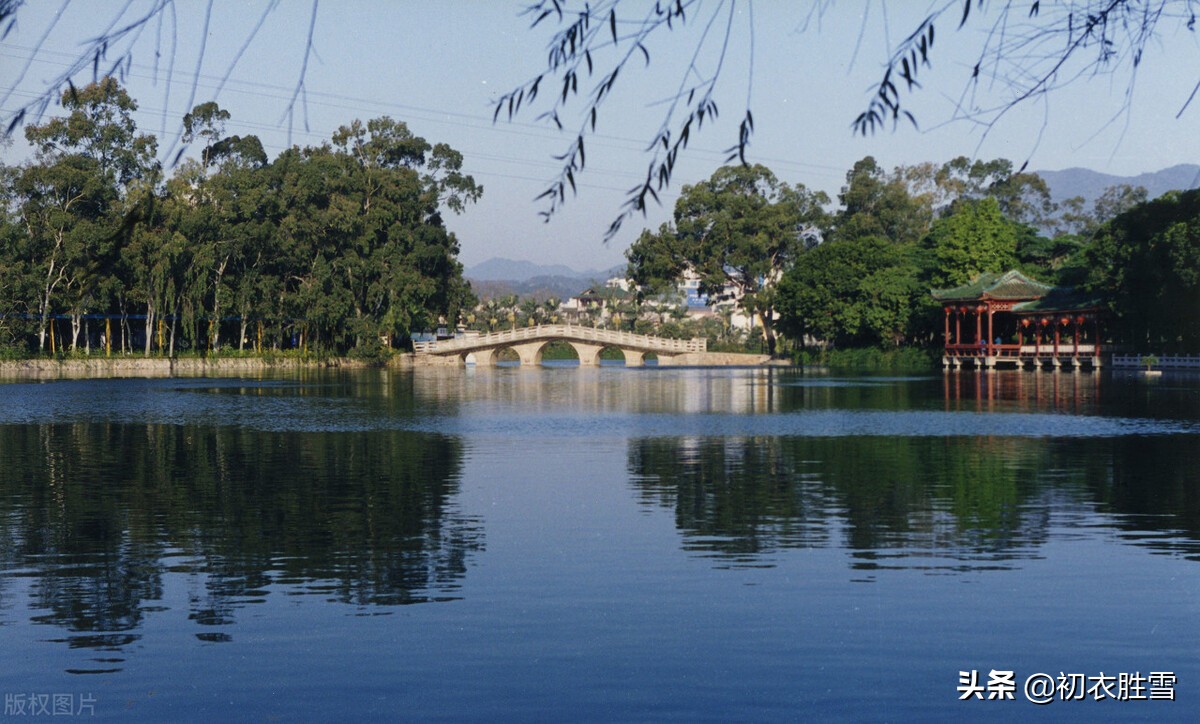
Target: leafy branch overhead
point(1024, 51)
point(597, 33)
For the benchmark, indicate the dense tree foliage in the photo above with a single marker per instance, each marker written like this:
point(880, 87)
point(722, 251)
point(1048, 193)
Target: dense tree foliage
point(972, 239)
point(900, 233)
point(738, 231)
point(1146, 264)
point(326, 248)
point(856, 292)
point(343, 246)
point(876, 204)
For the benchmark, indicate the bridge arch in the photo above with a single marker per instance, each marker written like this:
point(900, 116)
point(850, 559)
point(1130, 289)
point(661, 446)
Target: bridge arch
point(587, 342)
point(530, 354)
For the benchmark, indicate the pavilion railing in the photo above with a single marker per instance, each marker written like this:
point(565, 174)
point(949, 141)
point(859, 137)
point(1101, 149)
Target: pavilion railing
point(1165, 361)
point(1065, 349)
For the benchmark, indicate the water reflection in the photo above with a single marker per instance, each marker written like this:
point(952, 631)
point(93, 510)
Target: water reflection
point(577, 390)
point(949, 504)
point(332, 401)
point(93, 516)
point(248, 538)
point(1072, 393)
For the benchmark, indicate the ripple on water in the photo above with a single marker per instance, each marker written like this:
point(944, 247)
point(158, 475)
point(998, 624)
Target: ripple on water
point(285, 406)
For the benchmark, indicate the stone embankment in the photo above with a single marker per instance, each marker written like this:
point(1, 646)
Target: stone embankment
point(82, 368)
point(164, 367)
point(717, 359)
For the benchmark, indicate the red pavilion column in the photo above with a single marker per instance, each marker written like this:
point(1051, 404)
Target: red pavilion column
point(978, 324)
point(991, 336)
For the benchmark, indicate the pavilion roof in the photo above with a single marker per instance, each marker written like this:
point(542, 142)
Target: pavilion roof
point(1012, 285)
point(1061, 299)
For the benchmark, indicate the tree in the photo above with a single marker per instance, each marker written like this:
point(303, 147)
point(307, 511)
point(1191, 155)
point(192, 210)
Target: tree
point(340, 244)
point(875, 204)
point(206, 122)
point(1023, 197)
point(861, 291)
point(362, 221)
point(1146, 264)
point(738, 231)
point(69, 197)
point(975, 238)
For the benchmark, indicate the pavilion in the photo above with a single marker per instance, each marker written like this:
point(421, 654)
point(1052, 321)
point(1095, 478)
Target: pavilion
point(1011, 319)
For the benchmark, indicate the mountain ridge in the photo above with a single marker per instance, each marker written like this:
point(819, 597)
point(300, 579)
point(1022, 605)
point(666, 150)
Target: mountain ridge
point(517, 271)
point(501, 269)
point(1077, 181)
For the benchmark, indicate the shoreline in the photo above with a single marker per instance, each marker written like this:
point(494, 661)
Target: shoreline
point(178, 367)
point(163, 367)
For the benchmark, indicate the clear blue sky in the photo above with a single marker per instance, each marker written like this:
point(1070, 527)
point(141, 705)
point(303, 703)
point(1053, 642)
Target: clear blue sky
point(438, 65)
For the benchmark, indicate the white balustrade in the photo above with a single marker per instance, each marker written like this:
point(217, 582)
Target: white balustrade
point(1165, 361)
point(566, 332)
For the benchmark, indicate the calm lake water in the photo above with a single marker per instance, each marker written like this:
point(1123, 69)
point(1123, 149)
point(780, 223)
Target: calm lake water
point(614, 544)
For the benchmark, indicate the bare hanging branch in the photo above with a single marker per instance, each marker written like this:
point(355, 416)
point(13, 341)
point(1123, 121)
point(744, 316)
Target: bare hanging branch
point(1026, 50)
point(597, 29)
point(110, 53)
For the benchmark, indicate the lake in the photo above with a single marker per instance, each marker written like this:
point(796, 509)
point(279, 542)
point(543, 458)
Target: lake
point(601, 544)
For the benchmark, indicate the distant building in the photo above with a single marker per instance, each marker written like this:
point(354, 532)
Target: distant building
point(727, 303)
point(618, 283)
point(594, 305)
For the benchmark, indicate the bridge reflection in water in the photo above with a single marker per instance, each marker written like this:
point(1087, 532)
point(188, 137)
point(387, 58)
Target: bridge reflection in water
point(528, 343)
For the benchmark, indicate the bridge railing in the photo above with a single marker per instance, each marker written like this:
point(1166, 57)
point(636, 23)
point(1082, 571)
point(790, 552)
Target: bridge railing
point(568, 332)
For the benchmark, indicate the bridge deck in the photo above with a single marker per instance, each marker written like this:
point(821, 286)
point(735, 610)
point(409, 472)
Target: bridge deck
point(565, 332)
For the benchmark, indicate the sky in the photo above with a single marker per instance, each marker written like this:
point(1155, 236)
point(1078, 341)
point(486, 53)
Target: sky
point(805, 70)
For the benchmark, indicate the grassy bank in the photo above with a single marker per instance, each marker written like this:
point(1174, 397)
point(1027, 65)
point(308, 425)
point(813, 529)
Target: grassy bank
point(870, 359)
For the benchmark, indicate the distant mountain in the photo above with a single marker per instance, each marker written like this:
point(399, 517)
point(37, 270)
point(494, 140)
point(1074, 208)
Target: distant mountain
point(499, 277)
point(497, 269)
point(540, 287)
point(512, 270)
point(1089, 184)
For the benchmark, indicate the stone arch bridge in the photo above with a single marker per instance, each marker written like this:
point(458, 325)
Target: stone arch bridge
point(528, 343)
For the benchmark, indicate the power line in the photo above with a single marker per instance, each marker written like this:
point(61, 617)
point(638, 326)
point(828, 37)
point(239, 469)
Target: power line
point(442, 116)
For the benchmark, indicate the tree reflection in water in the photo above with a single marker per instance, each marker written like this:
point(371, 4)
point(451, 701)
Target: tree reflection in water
point(95, 515)
point(944, 503)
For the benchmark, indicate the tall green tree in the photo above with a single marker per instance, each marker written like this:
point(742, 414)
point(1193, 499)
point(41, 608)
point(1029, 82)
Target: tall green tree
point(879, 205)
point(1023, 197)
point(737, 231)
point(1146, 263)
point(863, 291)
point(362, 223)
point(974, 238)
point(70, 194)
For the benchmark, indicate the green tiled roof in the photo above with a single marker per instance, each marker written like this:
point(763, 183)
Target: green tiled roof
point(992, 285)
point(1061, 299)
